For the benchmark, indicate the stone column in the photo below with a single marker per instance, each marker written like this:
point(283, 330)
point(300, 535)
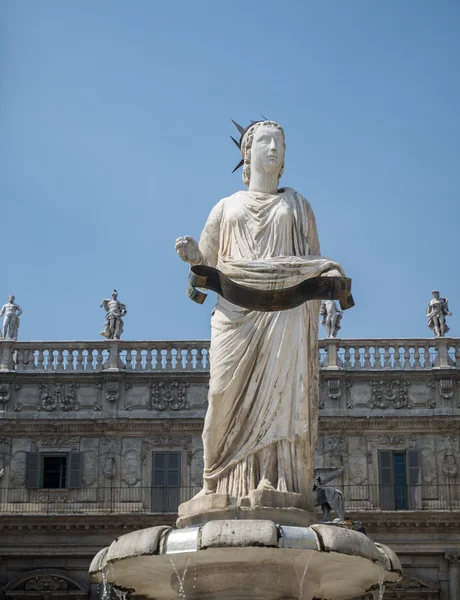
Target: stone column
point(453, 559)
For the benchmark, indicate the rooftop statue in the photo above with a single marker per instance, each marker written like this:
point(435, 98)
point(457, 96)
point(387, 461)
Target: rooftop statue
point(436, 312)
point(115, 310)
point(11, 321)
point(261, 425)
point(331, 318)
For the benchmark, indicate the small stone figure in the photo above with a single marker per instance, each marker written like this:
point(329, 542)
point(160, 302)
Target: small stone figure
point(331, 317)
point(113, 327)
point(437, 311)
point(12, 313)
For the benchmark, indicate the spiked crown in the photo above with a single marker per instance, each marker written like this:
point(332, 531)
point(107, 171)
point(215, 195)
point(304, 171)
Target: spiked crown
point(242, 131)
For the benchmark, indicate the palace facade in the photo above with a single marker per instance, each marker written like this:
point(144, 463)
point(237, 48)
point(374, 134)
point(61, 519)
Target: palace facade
point(101, 438)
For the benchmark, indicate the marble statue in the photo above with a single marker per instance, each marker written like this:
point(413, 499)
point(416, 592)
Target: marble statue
point(436, 312)
point(261, 425)
point(115, 310)
point(331, 317)
point(11, 321)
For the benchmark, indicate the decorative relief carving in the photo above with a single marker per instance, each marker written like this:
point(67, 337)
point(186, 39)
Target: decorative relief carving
point(99, 385)
point(130, 473)
point(49, 497)
point(164, 441)
point(110, 448)
point(450, 449)
point(446, 388)
point(5, 392)
point(4, 453)
point(59, 398)
point(55, 442)
point(97, 406)
point(168, 396)
point(335, 445)
point(334, 391)
point(452, 557)
point(46, 583)
point(18, 469)
point(393, 440)
point(393, 392)
point(112, 391)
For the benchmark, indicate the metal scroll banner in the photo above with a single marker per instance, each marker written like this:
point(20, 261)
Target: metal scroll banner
point(316, 288)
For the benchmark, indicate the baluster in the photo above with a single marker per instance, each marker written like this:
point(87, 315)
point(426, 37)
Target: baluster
point(129, 359)
point(402, 357)
point(417, 357)
point(347, 357)
point(79, 360)
point(429, 359)
point(139, 357)
point(50, 360)
point(40, 359)
point(60, 360)
point(366, 357)
point(99, 360)
point(205, 352)
point(385, 357)
point(18, 357)
point(187, 363)
point(149, 358)
point(168, 358)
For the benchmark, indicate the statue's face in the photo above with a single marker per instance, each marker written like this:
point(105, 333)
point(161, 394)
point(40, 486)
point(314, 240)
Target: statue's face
point(10, 298)
point(114, 296)
point(436, 295)
point(267, 151)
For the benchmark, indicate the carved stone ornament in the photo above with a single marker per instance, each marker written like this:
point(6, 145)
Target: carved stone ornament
point(453, 558)
point(393, 392)
point(335, 445)
point(5, 392)
point(59, 398)
point(56, 442)
point(4, 452)
point(334, 391)
point(393, 440)
point(446, 388)
point(168, 396)
point(112, 391)
point(164, 441)
point(46, 583)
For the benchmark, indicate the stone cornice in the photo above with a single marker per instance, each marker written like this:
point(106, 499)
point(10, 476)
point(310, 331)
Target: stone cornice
point(340, 425)
point(415, 424)
point(99, 426)
point(83, 523)
point(408, 521)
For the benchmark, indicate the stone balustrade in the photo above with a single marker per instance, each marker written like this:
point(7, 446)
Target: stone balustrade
point(111, 355)
point(389, 354)
point(193, 355)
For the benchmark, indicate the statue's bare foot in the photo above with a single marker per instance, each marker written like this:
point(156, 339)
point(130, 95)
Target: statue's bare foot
point(265, 484)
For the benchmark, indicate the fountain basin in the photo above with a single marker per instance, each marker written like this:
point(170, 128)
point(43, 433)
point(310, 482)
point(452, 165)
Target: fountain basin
point(229, 559)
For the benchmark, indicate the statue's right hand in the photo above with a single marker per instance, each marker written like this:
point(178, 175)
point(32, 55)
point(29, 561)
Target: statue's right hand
point(187, 249)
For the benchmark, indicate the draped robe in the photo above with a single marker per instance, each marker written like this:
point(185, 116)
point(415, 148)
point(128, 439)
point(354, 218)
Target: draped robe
point(261, 421)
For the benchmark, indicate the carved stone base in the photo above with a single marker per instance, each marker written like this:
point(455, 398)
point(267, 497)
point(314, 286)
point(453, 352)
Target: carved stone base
point(284, 508)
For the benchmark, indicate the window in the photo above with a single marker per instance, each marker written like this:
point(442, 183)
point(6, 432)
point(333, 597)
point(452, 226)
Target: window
point(399, 479)
point(53, 470)
point(166, 481)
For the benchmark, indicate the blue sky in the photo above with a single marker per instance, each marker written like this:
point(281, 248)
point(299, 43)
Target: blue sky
point(114, 125)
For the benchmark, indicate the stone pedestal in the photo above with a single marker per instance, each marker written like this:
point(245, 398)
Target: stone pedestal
point(284, 508)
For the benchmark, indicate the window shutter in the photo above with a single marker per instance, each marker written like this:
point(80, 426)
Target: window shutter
point(75, 469)
point(413, 479)
point(158, 481)
point(387, 496)
point(33, 469)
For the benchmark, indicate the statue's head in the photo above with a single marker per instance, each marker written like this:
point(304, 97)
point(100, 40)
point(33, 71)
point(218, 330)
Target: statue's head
point(11, 298)
point(263, 147)
point(435, 294)
point(114, 295)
